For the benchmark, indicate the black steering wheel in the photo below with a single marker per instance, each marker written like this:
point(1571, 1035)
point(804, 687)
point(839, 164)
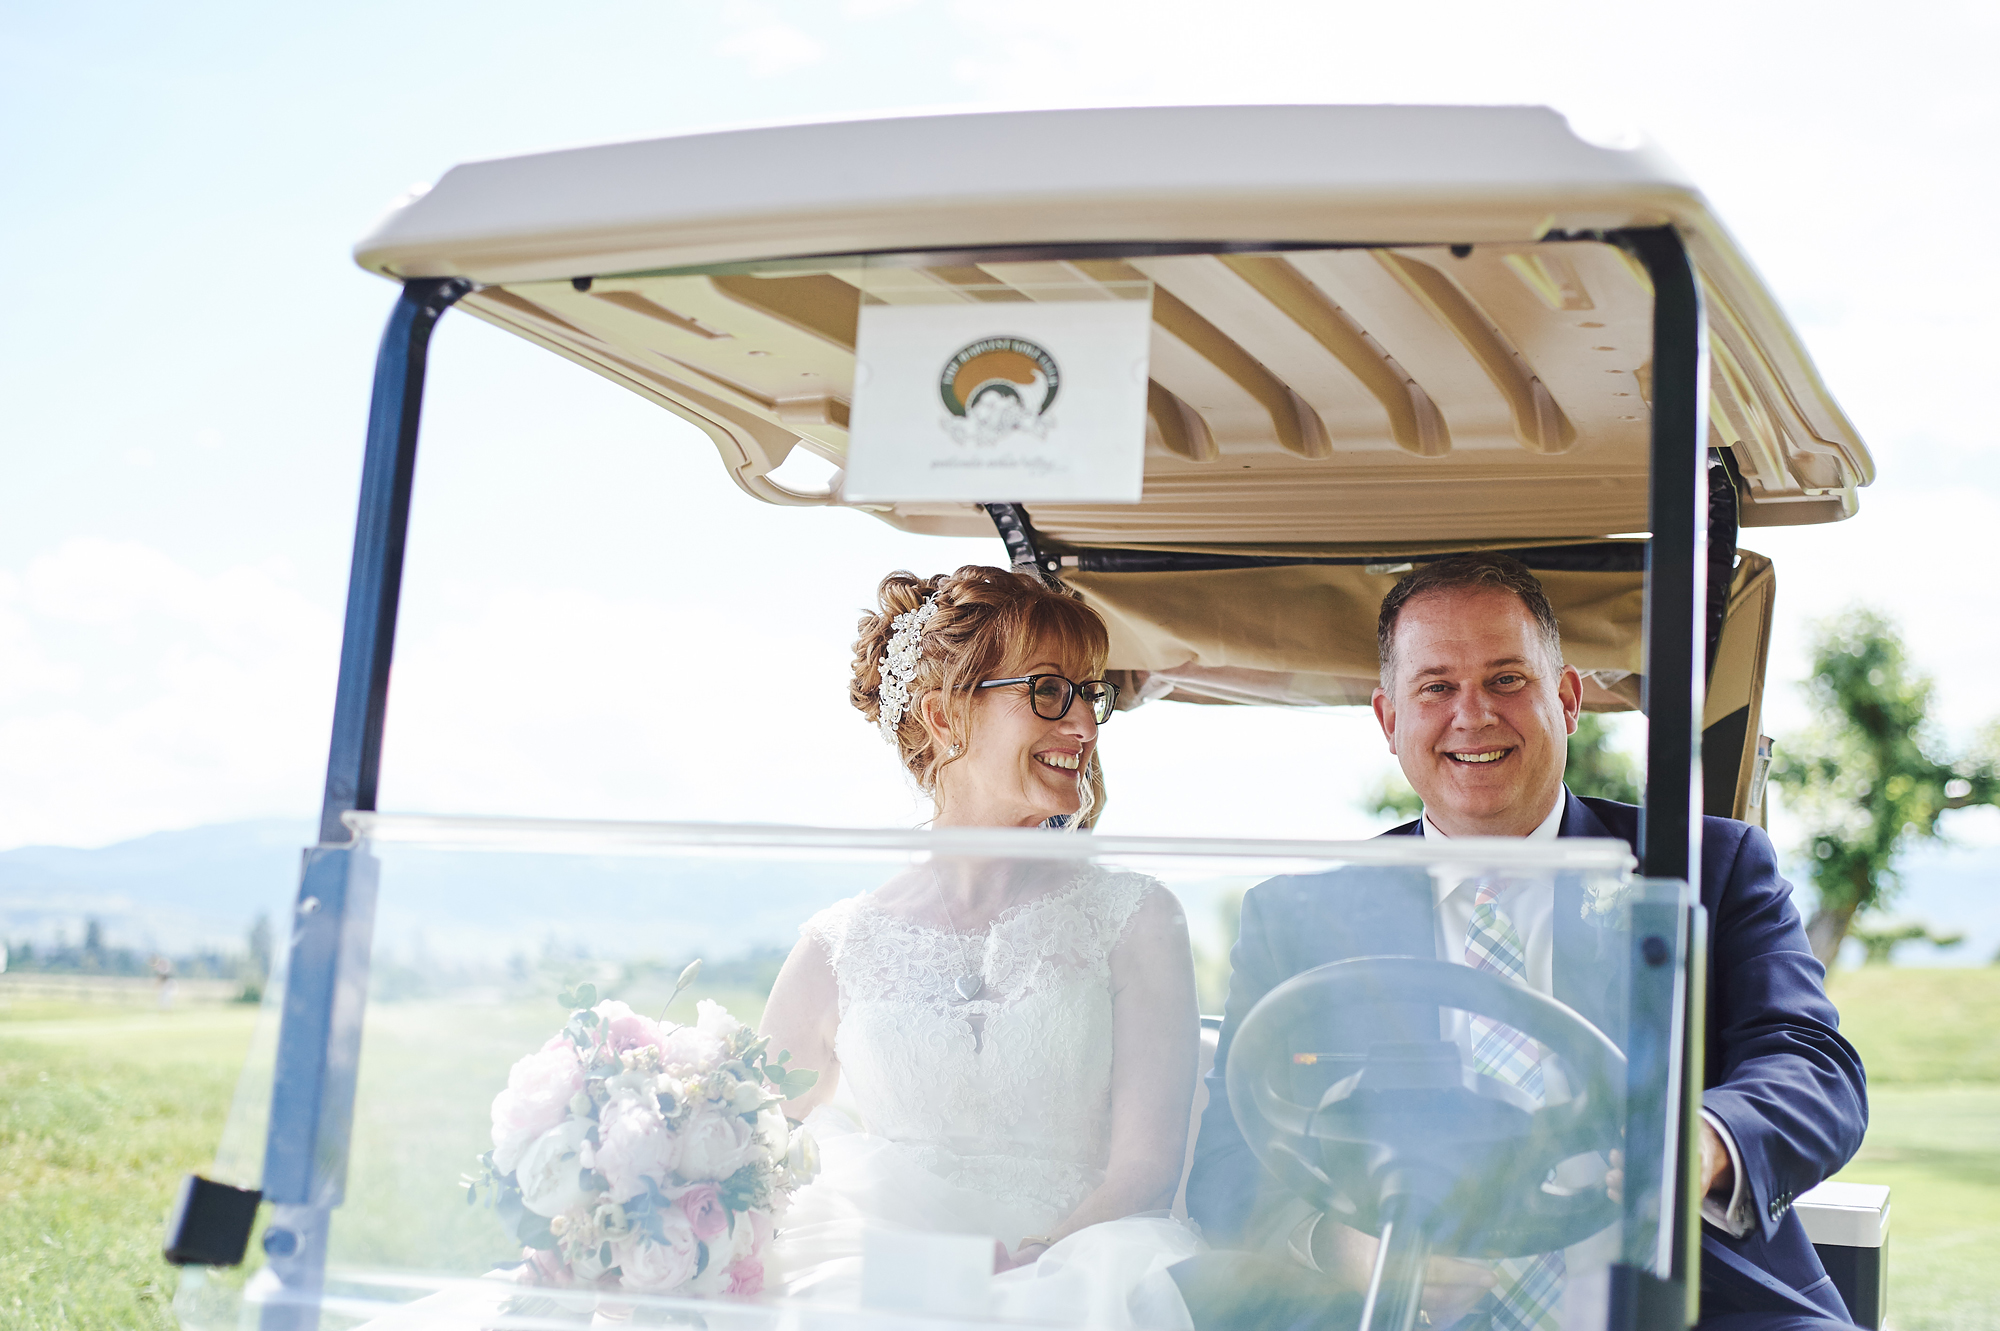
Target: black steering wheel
point(1414, 1138)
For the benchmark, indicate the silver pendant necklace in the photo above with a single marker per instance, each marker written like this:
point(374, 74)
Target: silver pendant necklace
point(971, 982)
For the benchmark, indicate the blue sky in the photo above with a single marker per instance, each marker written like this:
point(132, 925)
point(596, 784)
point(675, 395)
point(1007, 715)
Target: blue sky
point(596, 622)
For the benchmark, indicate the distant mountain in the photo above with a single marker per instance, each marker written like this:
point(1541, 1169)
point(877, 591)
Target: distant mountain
point(170, 891)
point(201, 888)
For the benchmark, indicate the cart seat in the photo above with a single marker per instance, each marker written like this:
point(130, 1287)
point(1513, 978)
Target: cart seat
point(1848, 1224)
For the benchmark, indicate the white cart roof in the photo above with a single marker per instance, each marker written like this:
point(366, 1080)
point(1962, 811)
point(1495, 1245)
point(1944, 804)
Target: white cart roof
point(1332, 366)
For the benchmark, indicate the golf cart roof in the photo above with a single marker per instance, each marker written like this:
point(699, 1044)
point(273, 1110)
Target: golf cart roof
point(1375, 328)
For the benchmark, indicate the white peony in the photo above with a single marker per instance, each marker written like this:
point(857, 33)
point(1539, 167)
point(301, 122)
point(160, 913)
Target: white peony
point(549, 1170)
point(714, 1145)
point(773, 1131)
point(658, 1268)
point(634, 1144)
point(802, 1156)
point(713, 1020)
point(690, 1047)
point(747, 1098)
point(538, 1096)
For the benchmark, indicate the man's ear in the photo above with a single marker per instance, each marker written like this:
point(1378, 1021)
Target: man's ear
point(1569, 688)
point(1385, 715)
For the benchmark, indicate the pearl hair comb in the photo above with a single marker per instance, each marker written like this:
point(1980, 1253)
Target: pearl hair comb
point(899, 667)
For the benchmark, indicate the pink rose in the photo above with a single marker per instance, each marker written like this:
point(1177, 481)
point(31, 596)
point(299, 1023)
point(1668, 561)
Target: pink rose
point(542, 1266)
point(633, 1144)
point(760, 1233)
point(746, 1276)
point(539, 1089)
point(703, 1206)
point(657, 1268)
point(623, 1029)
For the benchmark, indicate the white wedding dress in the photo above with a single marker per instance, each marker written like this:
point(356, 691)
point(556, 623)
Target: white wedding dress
point(984, 1117)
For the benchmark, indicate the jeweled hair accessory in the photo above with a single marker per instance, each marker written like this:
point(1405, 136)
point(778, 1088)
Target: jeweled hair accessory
point(899, 667)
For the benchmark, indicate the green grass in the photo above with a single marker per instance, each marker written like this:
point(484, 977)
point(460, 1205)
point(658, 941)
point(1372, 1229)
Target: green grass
point(103, 1108)
point(1931, 1041)
point(1928, 1025)
point(1938, 1149)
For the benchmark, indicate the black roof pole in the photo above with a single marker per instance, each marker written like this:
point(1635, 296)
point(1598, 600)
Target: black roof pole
point(375, 580)
point(1675, 682)
point(1676, 621)
point(319, 1034)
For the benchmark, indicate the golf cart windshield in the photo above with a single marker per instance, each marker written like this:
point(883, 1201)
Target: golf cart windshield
point(499, 959)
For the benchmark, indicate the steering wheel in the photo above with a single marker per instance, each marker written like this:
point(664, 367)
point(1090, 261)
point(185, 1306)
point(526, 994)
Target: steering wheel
point(1415, 1139)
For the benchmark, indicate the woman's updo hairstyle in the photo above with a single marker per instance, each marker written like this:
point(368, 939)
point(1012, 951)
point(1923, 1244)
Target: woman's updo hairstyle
point(983, 617)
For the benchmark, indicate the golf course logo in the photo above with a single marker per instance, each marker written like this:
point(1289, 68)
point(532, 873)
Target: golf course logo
point(998, 387)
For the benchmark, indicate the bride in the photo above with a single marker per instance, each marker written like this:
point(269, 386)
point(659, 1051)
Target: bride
point(1012, 1042)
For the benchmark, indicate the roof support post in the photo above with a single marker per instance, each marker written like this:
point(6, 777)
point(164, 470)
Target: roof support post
point(1676, 677)
point(375, 580)
point(1676, 621)
point(319, 1035)
point(1024, 544)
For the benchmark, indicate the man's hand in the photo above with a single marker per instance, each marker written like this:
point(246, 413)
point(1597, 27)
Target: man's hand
point(1717, 1174)
point(1451, 1287)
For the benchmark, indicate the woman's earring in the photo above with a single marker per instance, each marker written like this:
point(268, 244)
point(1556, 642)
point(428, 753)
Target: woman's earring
point(954, 751)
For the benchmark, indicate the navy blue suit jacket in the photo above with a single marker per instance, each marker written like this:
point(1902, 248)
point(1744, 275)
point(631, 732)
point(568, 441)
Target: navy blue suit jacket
point(1790, 1089)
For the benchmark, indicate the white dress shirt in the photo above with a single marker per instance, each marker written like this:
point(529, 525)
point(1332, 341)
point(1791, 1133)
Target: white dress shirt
point(1529, 902)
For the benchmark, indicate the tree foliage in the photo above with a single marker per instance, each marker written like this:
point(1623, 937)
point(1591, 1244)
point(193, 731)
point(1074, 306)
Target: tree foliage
point(1871, 774)
point(1880, 938)
point(1596, 769)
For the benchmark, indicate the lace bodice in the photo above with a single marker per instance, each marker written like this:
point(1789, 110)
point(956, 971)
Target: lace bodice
point(1009, 1093)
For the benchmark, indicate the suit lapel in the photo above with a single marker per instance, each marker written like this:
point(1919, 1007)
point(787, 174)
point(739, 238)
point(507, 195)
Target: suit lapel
point(1589, 961)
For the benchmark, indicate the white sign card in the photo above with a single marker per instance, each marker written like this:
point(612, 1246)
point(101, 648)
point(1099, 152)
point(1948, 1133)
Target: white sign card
point(993, 402)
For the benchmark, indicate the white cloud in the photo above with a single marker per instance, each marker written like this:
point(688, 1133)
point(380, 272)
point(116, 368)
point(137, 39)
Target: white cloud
point(560, 702)
point(139, 693)
point(767, 43)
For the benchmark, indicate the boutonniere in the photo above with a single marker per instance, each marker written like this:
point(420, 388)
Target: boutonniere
point(1604, 896)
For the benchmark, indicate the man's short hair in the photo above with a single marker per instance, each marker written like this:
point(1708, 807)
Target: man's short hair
point(1467, 573)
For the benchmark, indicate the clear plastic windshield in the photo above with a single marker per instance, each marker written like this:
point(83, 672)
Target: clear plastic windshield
point(742, 1076)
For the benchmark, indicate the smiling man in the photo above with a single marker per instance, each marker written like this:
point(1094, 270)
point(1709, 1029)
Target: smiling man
point(1477, 705)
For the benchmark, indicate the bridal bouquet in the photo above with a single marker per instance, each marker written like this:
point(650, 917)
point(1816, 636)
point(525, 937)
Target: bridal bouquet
point(634, 1155)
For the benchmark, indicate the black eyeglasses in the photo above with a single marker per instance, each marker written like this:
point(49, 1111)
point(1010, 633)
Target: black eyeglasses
point(1051, 695)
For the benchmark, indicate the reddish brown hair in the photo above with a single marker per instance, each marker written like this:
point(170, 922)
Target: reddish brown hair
point(986, 618)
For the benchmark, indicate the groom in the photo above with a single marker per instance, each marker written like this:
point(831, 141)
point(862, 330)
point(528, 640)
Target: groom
point(1477, 707)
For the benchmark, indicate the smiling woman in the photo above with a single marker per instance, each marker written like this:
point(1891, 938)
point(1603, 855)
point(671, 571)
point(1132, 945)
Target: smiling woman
point(1016, 1040)
point(974, 677)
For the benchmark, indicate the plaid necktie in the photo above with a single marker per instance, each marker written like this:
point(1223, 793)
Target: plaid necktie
point(1528, 1294)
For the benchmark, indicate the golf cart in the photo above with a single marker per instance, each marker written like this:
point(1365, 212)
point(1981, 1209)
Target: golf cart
point(1358, 338)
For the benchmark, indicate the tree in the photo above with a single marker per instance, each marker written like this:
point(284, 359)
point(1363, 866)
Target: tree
point(1879, 939)
point(1592, 768)
point(256, 965)
point(1595, 768)
point(1871, 774)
